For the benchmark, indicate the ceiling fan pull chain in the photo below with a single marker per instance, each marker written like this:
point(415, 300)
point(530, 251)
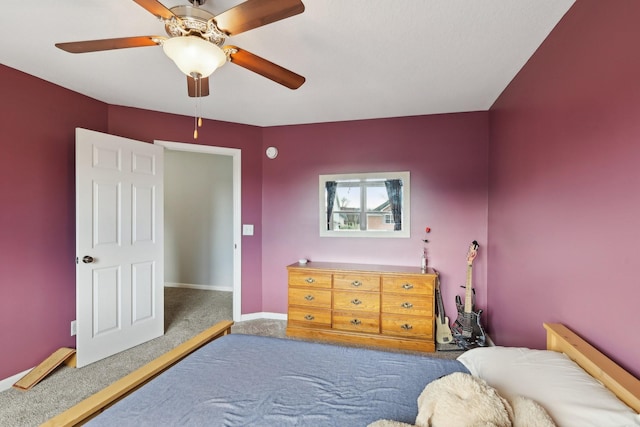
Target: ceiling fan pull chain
point(198, 95)
point(195, 121)
point(199, 101)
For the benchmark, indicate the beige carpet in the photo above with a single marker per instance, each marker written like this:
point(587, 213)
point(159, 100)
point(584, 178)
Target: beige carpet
point(187, 313)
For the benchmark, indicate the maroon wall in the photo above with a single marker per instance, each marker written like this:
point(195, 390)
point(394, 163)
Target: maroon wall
point(447, 158)
point(37, 215)
point(37, 219)
point(564, 204)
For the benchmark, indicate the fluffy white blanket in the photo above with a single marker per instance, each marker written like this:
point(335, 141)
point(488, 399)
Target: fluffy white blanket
point(462, 400)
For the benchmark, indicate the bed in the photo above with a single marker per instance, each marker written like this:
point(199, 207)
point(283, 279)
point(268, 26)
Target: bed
point(221, 379)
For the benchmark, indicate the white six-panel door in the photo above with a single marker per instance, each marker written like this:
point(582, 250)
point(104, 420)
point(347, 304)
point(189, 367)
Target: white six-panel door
point(119, 244)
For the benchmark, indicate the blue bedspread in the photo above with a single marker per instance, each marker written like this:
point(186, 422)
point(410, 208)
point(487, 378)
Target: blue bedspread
point(244, 380)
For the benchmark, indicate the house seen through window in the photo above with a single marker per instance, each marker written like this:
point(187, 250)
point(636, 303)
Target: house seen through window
point(361, 205)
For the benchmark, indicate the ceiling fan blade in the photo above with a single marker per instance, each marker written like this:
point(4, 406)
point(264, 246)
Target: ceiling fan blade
point(156, 8)
point(256, 13)
point(198, 89)
point(109, 44)
point(265, 68)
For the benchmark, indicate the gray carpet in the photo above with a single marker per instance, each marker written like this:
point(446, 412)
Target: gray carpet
point(187, 313)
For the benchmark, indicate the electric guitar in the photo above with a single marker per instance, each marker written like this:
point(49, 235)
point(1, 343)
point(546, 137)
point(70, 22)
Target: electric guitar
point(443, 332)
point(467, 329)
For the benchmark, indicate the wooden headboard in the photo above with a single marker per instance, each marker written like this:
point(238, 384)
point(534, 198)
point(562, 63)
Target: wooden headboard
point(615, 378)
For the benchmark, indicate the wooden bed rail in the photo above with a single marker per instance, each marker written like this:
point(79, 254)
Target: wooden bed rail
point(615, 378)
point(96, 403)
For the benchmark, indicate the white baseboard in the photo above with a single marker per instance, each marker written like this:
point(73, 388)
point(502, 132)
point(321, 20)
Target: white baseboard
point(7, 383)
point(490, 342)
point(200, 287)
point(263, 315)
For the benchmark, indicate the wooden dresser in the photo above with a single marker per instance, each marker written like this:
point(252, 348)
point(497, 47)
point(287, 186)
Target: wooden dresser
point(376, 305)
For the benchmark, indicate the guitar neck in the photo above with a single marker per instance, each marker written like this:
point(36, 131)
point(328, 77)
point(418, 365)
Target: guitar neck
point(440, 306)
point(439, 300)
point(468, 296)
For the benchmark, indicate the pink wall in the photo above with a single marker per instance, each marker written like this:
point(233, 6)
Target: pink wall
point(37, 215)
point(560, 199)
point(147, 126)
point(447, 158)
point(445, 154)
point(564, 204)
point(37, 219)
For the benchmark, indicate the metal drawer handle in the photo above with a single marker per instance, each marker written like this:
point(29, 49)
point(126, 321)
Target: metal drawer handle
point(309, 317)
point(406, 327)
point(356, 322)
point(310, 280)
point(407, 286)
point(406, 305)
point(356, 301)
point(356, 283)
point(309, 298)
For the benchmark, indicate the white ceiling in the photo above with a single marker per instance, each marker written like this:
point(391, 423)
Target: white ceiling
point(362, 58)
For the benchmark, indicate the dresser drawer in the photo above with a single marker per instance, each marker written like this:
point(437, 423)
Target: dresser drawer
point(407, 326)
point(357, 282)
point(320, 298)
point(357, 322)
point(310, 279)
point(356, 301)
point(415, 305)
point(309, 316)
point(419, 285)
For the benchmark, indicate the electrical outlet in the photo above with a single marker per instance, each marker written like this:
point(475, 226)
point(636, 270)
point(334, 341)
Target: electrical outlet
point(73, 327)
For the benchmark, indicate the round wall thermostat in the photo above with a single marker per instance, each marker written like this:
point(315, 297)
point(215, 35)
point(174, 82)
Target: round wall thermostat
point(272, 152)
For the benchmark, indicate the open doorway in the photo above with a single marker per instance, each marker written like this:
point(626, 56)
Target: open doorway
point(206, 183)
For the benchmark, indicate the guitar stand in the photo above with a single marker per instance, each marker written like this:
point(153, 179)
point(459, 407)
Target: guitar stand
point(464, 344)
point(452, 346)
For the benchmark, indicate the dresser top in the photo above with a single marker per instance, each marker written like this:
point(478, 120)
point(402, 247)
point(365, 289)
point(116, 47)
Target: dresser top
point(371, 268)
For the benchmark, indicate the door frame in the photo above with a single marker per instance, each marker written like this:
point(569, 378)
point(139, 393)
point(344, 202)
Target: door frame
point(235, 154)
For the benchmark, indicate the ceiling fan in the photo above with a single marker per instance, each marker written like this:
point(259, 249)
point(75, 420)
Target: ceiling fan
point(196, 39)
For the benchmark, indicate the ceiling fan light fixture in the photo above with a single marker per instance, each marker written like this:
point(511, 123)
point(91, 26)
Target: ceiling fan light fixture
point(193, 54)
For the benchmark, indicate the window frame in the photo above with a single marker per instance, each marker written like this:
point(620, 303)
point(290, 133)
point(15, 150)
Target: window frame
point(404, 176)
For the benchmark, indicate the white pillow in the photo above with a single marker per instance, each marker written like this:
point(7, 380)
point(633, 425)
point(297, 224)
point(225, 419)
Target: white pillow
point(569, 394)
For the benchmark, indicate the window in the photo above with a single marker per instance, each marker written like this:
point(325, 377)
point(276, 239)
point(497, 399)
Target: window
point(365, 205)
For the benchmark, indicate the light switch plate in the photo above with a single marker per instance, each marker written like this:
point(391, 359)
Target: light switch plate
point(247, 229)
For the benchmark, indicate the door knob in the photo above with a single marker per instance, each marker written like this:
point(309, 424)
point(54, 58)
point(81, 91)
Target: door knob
point(87, 259)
